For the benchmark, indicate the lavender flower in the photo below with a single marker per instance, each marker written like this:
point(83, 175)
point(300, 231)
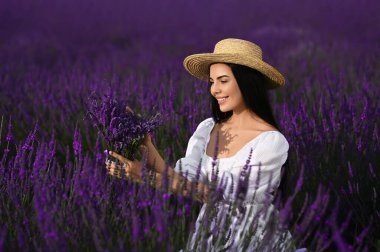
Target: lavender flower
point(243, 182)
point(77, 143)
point(328, 110)
point(123, 131)
point(9, 136)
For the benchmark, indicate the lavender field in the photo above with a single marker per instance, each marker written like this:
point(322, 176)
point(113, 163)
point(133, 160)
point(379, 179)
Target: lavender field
point(55, 194)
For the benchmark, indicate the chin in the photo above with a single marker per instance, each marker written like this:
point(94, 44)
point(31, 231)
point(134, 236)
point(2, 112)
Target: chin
point(224, 110)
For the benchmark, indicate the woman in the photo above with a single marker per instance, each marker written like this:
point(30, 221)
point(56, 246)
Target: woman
point(241, 135)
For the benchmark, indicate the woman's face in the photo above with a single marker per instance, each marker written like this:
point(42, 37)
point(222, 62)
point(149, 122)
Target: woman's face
point(225, 89)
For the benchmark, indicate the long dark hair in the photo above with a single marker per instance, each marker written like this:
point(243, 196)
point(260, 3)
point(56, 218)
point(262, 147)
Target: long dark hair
point(252, 85)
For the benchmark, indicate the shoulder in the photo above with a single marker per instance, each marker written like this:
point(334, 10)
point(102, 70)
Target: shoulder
point(272, 141)
point(203, 129)
point(270, 149)
point(198, 139)
point(206, 124)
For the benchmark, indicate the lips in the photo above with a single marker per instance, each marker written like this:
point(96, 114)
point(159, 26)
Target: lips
point(222, 99)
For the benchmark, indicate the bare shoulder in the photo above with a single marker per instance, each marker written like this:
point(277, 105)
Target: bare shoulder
point(271, 129)
point(257, 128)
point(262, 126)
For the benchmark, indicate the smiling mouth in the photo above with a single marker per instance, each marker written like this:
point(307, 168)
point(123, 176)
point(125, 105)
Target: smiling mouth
point(222, 99)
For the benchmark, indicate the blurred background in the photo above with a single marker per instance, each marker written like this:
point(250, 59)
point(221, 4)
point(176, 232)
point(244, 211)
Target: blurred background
point(53, 54)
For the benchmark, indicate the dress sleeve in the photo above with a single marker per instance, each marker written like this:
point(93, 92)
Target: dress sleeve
point(268, 157)
point(191, 163)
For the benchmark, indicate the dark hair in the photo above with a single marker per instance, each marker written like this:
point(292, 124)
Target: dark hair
point(252, 85)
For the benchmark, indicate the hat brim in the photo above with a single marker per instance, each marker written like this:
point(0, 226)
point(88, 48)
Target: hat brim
point(198, 66)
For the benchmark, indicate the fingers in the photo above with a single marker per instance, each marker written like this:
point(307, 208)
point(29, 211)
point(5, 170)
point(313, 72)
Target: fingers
point(119, 157)
point(128, 168)
point(119, 171)
point(115, 169)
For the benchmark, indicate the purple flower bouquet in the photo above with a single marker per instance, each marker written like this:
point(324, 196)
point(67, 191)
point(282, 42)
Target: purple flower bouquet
point(122, 130)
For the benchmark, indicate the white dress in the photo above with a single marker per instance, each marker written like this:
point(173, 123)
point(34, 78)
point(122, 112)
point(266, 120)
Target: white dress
point(269, 151)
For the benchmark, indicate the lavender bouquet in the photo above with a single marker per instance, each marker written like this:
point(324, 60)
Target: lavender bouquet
point(122, 130)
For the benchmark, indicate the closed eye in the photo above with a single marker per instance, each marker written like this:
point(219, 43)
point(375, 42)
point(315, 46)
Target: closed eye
point(220, 81)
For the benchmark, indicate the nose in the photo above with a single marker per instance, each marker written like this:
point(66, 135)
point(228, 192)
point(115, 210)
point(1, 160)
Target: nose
point(215, 88)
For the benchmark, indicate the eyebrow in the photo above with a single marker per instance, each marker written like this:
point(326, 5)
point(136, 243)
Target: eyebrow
point(220, 77)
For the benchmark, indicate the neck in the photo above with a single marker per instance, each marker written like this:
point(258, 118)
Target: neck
point(240, 117)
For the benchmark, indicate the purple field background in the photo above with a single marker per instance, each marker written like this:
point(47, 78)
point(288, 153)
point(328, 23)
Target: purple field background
point(54, 192)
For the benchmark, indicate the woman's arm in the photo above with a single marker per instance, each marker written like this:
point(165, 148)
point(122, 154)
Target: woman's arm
point(181, 185)
point(177, 183)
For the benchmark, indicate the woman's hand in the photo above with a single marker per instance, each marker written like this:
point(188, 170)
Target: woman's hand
point(128, 170)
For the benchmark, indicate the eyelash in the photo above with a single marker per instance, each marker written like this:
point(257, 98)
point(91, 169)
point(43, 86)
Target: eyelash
point(221, 82)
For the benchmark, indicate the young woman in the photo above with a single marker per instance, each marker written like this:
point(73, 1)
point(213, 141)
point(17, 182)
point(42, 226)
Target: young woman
point(243, 135)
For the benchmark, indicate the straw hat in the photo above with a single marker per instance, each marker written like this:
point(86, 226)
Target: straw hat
point(236, 51)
